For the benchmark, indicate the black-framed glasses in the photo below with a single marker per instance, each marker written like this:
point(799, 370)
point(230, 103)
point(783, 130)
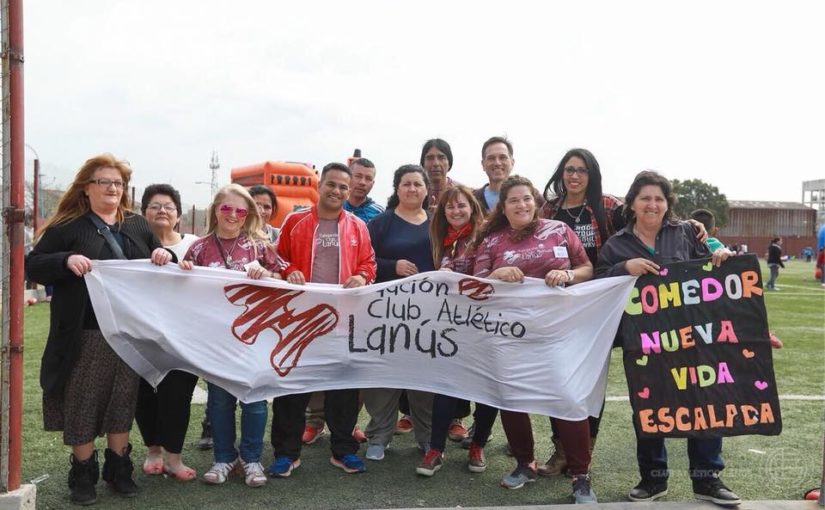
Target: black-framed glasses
point(570, 170)
point(105, 183)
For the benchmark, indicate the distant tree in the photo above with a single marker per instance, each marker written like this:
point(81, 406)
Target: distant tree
point(695, 194)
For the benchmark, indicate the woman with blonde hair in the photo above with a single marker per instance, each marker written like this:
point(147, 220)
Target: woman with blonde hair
point(88, 390)
point(235, 242)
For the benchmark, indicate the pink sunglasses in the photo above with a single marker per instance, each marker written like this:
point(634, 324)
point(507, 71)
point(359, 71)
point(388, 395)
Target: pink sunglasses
point(227, 209)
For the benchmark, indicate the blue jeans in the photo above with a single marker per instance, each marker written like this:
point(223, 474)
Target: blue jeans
point(220, 407)
point(774, 268)
point(704, 456)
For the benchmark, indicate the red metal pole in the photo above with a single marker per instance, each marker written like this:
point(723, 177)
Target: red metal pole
point(36, 196)
point(17, 195)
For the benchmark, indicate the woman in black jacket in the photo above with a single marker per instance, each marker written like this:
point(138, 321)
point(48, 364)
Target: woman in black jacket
point(774, 261)
point(87, 389)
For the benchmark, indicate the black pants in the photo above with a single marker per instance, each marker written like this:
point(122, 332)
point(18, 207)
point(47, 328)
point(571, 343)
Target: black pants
point(163, 415)
point(289, 420)
point(446, 408)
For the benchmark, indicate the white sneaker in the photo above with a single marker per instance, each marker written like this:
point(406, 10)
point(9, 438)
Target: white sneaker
point(254, 472)
point(220, 471)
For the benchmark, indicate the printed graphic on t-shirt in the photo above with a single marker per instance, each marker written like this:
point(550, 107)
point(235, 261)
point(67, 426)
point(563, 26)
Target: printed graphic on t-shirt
point(586, 234)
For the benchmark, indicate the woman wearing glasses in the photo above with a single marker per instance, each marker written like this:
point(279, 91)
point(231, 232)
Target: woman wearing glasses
point(233, 241)
point(574, 196)
point(162, 413)
point(88, 390)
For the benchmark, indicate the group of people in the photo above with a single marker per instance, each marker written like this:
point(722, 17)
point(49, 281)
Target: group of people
point(505, 230)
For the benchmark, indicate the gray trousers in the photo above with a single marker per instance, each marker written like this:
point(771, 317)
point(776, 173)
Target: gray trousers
point(382, 406)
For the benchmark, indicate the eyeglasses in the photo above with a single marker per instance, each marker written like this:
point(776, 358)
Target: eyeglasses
point(155, 206)
point(105, 183)
point(227, 209)
point(569, 170)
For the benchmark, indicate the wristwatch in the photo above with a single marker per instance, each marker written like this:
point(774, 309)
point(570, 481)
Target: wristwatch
point(570, 275)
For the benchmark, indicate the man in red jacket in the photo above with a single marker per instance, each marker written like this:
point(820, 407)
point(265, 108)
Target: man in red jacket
point(323, 244)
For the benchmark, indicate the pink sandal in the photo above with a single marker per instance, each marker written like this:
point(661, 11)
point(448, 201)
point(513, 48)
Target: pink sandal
point(183, 474)
point(153, 465)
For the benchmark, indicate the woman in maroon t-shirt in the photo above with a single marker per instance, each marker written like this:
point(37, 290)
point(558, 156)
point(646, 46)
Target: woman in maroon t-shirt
point(516, 243)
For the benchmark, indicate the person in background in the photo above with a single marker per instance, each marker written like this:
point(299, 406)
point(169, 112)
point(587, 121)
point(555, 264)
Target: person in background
point(359, 202)
point(774, 262)
point(437, 160)
point(401, 239)
point(323, 244)
point(457, 219)
point(88, 390)
point(162, 413)
point(515, 243)
point(235, 242)
point(497, 162)
point(267, 205)
point(651, 239)
point(707, 219)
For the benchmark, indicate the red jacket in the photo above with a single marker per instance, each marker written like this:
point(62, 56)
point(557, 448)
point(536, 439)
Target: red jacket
point(296, 245)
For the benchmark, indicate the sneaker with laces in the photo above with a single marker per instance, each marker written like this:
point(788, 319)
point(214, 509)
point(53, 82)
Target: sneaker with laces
point(359, 435)
point(350, 463)
point(254, 474)
point(476, 461)
point(283, 466)
point(404, 425)
point(311, 434)
point(430, 463)
point(524, 473)
point(582, 491)
point(457, 431)
point(712, 489)
point(375, 451)
point(220, 471)
point(648, 490)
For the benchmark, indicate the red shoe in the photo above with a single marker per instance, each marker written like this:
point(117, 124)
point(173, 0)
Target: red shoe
point(311, 434)
point(404, 425)
point(457, 430)
point(359, 435)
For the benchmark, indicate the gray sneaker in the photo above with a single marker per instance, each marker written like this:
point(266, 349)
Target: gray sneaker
point(524, 473)
point(375, 451)
point(582, 492)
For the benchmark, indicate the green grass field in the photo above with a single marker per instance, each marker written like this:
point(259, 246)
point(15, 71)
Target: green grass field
point(759, 467)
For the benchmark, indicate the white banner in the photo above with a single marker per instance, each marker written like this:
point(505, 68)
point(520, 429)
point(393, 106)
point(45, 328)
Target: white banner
point(522, 347)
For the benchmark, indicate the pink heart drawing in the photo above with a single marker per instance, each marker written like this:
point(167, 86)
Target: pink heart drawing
point(663, 272)
point(644, 393)
point(760, 385)
point(748, 353)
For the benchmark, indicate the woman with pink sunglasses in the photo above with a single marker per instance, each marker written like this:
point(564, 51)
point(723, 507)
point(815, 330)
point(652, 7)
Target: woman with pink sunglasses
point(233, 241)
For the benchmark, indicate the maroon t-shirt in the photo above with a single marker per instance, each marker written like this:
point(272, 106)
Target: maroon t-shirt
point(552, 246)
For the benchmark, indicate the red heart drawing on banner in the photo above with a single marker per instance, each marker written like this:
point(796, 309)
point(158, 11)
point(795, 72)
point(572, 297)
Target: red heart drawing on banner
point(269, 308)
point(760, 385)
point(748, 354)
point(644, 393)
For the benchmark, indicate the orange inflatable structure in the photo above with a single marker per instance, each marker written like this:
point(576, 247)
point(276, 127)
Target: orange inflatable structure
point(295, 184)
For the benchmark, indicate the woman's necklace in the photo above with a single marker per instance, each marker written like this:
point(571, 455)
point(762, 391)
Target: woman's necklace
point(227, 256)
point(577, 218)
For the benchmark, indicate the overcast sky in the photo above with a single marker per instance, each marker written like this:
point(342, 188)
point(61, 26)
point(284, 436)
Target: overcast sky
point(728, 92)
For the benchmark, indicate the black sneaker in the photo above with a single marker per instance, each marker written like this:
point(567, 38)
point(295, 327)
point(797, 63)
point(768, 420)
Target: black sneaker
point(712, 489)
point(205, 442)
point(648, 490)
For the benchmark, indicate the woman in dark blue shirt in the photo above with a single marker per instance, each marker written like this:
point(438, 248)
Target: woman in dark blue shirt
point(401, 240)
